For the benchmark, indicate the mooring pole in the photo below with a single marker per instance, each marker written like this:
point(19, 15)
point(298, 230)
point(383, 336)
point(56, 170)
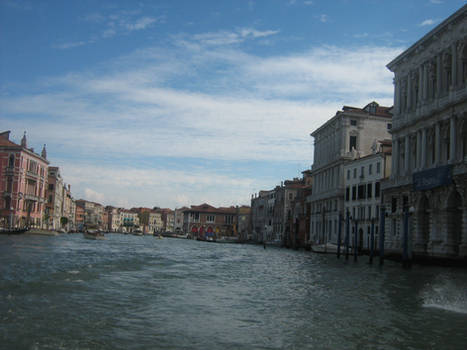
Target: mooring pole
point(347, 234)
point(382, 218)
point(355, 252)
point(372, 240)
point(405, 251)
point(339, 234)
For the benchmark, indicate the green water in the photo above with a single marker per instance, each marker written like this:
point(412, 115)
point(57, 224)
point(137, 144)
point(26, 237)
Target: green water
point(130, 292)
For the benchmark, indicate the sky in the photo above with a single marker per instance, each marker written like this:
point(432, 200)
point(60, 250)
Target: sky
point(180, 102)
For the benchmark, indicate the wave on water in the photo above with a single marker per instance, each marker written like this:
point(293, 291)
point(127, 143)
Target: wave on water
point(446, 294)
point(73, 272)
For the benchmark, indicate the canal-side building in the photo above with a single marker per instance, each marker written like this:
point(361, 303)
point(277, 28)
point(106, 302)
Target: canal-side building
point(262, 215)
point(244, 223)
point(429, 135)
point(202, 221)
point(55, 198)
point(348, 135)
point(129, 220)
point(362, 182)
point(23, 183)
point(92, 215)
point(300, 211)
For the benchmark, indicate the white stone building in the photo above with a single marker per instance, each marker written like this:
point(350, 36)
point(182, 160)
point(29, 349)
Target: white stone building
point(363, 193)
point(429, 132)
point(348, 135)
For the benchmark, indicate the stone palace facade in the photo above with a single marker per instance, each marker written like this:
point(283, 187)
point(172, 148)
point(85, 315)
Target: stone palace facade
point(429, 136)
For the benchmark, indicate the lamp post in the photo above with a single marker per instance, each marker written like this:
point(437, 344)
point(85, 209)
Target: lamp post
point(339, 232)
point(355, 253)
point(372, 239)
point(382, 218)
point(406, 254)
point(347, 234)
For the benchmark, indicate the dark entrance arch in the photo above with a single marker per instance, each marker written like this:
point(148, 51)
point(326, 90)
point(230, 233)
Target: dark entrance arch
point(423, 223)
point(454, 221)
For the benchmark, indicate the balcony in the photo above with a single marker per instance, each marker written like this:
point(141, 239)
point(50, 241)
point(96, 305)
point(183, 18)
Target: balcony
point(31, 197)
point(9, 171)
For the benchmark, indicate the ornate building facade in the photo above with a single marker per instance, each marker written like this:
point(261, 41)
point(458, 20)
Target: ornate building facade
point(429, 135)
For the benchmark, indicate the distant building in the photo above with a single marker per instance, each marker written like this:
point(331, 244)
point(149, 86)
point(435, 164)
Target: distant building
point(23, 183)
point(429, 135)
point(363, 196)
point(348, 135)
point(55, 198)
point(262, 215)
point(93, 214)
point(204, 220)
point(300, 211)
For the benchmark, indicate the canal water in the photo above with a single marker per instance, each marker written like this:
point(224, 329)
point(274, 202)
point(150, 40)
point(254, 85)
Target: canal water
point(131, 292)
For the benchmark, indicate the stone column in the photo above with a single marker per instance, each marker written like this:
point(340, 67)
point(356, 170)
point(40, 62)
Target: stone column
point(397, 86)
point(437, 144)
point(409, 92)
point(395, 158)
point(423, 150)
point(454, 65)
point(452, 139)
point(420, 84)
point(419, 150)
point(438, 75)
point(463, 243)
point(407, 155)
point(425, 82)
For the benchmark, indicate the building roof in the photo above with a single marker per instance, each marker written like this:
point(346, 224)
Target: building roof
point(371, 109)
point(431, 35)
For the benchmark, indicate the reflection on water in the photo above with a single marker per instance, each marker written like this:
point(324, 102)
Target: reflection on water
point(130, 292)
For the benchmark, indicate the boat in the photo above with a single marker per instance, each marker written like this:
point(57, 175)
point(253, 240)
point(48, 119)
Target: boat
point(328, 248)
point(227, 240)
point(93, 234)
point(15, 231)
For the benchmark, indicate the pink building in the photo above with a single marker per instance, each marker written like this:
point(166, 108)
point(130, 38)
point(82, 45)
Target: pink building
point(23, 183)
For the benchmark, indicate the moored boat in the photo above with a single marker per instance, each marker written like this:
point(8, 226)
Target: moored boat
point(92, 234)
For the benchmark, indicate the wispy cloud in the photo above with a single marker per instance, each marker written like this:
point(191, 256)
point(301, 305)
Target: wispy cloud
point(231, 37)
point(123, 22)
point(428, 22)
point(308, 2)
point(202, 107)
point(323, 18)
point(436, 2)
point(70, 45)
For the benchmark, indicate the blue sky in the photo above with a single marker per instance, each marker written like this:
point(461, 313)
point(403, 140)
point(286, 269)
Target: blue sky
point(171, 103)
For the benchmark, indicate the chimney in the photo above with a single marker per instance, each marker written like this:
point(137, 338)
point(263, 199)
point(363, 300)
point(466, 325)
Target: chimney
point(5, 135)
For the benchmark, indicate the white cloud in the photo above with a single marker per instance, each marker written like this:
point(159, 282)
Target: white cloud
point(436, 2)
point(94, 196)
point(323, 18)
point(244, 109)
point(70, 45)
point(140, 23)
point(427, 22)
point(223, 38)
point(308, 3)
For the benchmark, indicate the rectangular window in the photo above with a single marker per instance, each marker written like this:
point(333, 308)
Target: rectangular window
point(394, 204)
point(362, 171)
point(353, 122)
point(377, 185)
point(370, 169)
point(389, 126)
point(354, 173)
point(378, 167)
point(229, 219)
point(210, 218)
point(354, 193)
point(347, 193)
point(361, 191)
point(369, 191)
point(352, 143)
point(348, 174)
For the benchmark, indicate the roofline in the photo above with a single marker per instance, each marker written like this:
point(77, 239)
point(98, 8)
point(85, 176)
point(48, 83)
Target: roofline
point(426, 37)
